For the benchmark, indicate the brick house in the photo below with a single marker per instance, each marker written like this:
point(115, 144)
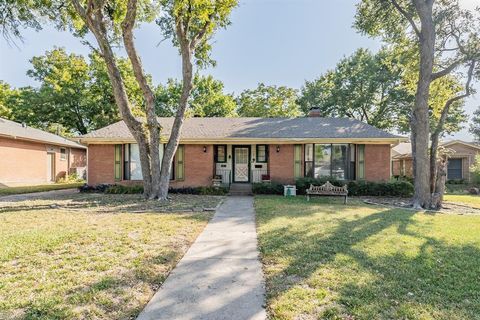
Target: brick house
point(30, 156)
point(458, 165)
point(246, 150)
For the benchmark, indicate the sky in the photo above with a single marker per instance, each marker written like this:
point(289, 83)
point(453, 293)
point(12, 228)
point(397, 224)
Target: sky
point(277, 42)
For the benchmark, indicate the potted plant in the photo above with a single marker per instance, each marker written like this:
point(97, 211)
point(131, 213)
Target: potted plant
point(217, 180)
point(266, 178)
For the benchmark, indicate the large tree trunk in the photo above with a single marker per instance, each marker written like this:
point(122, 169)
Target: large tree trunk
point(152, 122)
point(187, 51)
point(93, 17)
point(420, 117)
point(437, 195)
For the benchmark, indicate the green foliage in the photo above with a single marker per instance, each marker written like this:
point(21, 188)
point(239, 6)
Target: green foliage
point(364, 86)
point(121, 189)
point(268, 101)
point(360, 188)
point(137, 189)
point(71, 178)
point(475, 169)
point(212, 191)
point(6, 93)
point(267, 188)
point(203, 17)
point(475, 125)
point(75, 95)
point(206, 100)
point(457, 40)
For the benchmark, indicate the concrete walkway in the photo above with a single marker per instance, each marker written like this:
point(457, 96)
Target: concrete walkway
point(220, 276)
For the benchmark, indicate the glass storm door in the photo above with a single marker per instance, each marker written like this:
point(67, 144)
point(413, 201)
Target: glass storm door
point(241, 157)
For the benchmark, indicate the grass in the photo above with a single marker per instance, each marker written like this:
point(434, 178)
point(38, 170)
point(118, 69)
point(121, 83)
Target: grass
point(468, 200)
point(89, 257)
point(39, 188)
point(324, 260)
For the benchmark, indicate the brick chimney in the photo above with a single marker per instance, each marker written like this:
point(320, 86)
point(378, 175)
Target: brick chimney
point(314, 112)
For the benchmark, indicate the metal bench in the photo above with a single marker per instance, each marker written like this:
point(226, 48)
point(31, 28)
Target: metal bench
point(327, 189)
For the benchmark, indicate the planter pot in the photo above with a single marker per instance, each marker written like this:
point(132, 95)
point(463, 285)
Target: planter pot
point(217, 182)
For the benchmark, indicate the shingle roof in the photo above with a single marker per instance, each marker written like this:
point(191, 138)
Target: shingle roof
point(16, 130)
point(404, 150)
point(255, 128)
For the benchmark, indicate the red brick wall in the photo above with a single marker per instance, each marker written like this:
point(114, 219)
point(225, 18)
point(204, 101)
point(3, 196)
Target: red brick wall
point(101, 158)
point(22, 162)
point(199, 167)
point(25, 162)
point(281, 163)
point(78, 158)
point(377, 162)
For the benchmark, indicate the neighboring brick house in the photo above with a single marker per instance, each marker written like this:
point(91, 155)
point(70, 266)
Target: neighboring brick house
point(458, 165)
point(31, 156)
point(246, 150)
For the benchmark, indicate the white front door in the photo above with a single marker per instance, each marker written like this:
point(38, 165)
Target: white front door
point(241, 156)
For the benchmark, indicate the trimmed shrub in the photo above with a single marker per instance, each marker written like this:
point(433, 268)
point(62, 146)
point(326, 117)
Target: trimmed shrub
point(361, 188)
point(213, 191)
point(267, 188)
point(120, 189)
point(98, 188)
point(138, 189)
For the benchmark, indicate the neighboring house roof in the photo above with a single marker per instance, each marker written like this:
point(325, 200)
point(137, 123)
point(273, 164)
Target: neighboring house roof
point(237, 129)
point(16, 130)
point(404, 149)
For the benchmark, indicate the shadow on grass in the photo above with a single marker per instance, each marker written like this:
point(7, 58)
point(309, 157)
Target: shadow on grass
point(112, 203)
point(439, 280)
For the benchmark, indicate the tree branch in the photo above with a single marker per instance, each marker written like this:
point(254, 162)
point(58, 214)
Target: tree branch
point(446, 71)
point(407, 16)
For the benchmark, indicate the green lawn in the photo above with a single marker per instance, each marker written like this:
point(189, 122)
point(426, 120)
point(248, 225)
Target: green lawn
point(39, 188)
point(465, 199)
point(324, 260)
point(90, 256)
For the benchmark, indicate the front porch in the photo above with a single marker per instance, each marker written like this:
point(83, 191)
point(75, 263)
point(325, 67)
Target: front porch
point(241, 163)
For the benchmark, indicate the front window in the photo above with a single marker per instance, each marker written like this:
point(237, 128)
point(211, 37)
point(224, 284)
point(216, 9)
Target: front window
point(340, 161)
point(323, 156)
point(330, 160)
point(262, 154)
point(221, 153)
point(63, 154)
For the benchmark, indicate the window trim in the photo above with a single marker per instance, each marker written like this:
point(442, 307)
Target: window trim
point(266, 153)
point(63, 156)
point(117, 162)
point(216, 153)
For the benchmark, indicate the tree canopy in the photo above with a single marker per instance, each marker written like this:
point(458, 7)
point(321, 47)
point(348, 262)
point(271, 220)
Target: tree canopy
point(363, 86)
point(268, 101)
point(74, 96)
point(207, 98)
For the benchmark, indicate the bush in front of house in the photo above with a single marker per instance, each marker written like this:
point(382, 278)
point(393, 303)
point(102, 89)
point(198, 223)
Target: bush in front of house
point(138, 189)
point(267, 188)
point(399, 188)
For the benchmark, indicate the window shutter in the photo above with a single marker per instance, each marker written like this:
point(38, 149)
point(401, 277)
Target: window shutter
point(179, 163)
point(118, 162)
point(298, 161)
point(361, 162)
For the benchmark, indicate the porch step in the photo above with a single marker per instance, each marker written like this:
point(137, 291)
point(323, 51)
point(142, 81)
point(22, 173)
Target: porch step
point(240, 189)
